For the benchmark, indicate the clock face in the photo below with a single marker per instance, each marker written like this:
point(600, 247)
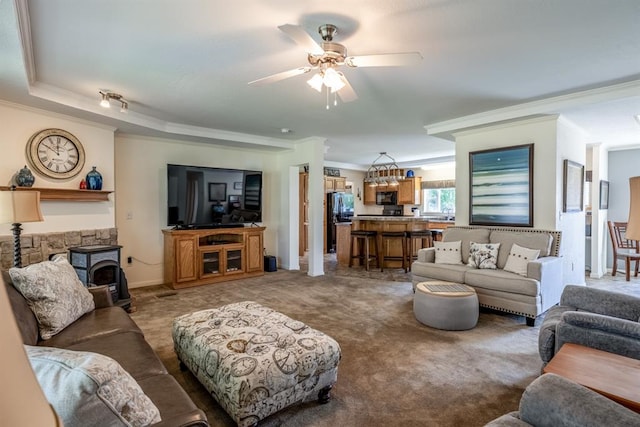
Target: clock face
point(56, 153)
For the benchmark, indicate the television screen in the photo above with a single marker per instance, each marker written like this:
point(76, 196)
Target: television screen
point(205, 196)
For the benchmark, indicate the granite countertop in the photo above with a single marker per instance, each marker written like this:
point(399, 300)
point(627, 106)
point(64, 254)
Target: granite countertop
point(399, 218)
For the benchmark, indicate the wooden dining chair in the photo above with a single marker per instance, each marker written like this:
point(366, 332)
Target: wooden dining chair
point(623, 248)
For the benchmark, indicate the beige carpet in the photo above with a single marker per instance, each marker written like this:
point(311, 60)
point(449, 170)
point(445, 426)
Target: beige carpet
point(394, 371)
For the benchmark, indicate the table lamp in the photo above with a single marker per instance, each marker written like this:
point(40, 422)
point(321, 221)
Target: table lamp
point(633, 224)
point(17, 207)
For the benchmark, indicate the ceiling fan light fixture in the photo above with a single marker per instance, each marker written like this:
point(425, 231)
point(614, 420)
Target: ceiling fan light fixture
point(333, 80)
point(315, 82)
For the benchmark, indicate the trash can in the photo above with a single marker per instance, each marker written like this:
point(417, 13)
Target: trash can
point(270, 263)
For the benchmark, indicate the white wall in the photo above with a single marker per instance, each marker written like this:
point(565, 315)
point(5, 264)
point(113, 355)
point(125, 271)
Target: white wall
point(571, 145)
point(623, 165)
point(542, 133)
point(597, 157)
point(546, 134)
point(19, 123)
point(141, 184)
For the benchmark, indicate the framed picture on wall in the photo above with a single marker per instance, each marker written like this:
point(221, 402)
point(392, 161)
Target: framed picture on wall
point(501, 186)
point(217, 191)
point(573, 186)
point(604, 194)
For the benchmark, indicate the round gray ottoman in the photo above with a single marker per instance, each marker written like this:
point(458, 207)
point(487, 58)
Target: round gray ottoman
point(446, 305)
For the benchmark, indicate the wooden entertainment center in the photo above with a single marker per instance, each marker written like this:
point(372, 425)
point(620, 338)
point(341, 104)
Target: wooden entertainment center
point(199, 257)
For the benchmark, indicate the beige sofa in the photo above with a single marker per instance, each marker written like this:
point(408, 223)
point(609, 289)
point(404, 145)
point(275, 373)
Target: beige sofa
point(528, 296)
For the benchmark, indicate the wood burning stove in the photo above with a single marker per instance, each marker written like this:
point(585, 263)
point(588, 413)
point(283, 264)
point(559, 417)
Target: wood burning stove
point(100, 265)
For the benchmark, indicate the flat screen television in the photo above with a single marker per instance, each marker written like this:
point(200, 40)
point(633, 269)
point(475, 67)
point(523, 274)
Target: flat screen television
point(200, 197)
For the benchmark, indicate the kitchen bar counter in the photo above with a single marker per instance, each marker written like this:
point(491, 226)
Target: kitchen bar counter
point(403, 218)
point(384, 223)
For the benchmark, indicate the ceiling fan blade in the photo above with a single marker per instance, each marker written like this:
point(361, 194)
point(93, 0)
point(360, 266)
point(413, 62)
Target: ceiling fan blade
point(281, 76)
point(384, 60)
point(347, 94)
point(300, 36)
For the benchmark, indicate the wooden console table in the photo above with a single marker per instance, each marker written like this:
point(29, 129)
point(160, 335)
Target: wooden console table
point(200, 257)
point(614, 376)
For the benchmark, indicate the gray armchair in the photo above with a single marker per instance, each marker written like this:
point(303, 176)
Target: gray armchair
point(595, 318)
point(553, 401)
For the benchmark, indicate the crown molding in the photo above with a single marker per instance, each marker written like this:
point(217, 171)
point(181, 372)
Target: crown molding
point(61, 116)
point(551, 105)
point(74, 100)
point(24, 30)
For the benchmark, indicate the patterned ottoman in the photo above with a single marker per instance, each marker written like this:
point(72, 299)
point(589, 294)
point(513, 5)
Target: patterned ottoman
point(254, 360)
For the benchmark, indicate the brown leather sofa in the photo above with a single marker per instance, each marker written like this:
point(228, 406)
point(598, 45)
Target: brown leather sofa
point(109, 330)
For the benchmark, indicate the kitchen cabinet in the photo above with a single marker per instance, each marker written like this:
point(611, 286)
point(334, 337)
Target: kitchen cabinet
point(334, 183)
point(331, 184)
point(409, 191)
point(369, 194)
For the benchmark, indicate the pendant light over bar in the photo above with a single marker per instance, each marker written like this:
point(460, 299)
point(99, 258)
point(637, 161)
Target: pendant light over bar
point(383, 171)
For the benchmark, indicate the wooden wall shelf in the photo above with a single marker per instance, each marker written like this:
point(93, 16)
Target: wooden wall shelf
point(66, 194)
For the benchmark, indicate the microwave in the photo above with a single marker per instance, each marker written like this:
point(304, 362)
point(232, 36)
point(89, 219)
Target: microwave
point(387, 198)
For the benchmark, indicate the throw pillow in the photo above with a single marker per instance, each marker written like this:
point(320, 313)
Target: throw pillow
point(89, 389)
point(518, 259)
point(54, 293)
point(483, 255)
point(448, 252)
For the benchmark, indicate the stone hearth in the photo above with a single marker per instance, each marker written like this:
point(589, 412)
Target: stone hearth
point(38, 247)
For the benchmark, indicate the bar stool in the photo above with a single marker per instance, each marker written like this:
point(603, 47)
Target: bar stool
point(436, 233)
point(360, 238)
point(425, 239)
point(389, 236)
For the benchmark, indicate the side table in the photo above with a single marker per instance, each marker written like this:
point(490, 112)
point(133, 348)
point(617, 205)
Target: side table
point(614, 376)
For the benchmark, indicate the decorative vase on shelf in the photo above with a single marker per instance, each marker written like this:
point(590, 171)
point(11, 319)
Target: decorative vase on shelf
point(24, 177)
point(83, 185)
point(94, 179)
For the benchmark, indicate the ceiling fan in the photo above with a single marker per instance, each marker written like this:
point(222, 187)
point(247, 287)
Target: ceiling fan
point(329, 57)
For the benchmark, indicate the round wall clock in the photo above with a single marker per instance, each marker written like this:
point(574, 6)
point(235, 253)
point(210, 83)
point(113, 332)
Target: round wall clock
point(55, 153)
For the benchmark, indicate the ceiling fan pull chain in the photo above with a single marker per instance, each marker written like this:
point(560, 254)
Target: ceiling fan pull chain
point(327, 97)
point(335, 98)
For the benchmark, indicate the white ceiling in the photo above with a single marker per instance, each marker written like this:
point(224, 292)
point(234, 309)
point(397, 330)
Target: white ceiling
point(184, 67)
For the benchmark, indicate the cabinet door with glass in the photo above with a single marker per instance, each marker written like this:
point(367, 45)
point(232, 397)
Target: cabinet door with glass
point(210, 262)
point(233, 257)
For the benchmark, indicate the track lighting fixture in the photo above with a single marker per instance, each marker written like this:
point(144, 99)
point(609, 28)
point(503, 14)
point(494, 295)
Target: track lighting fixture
point(108, 96)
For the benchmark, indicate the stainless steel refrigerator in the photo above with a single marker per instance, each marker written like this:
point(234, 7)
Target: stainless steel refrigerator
point(339, 208)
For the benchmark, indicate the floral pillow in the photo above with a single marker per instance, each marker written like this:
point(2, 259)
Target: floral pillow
point(89, 389)
point(54, 293)
point(483, 255)
point(448, 252)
